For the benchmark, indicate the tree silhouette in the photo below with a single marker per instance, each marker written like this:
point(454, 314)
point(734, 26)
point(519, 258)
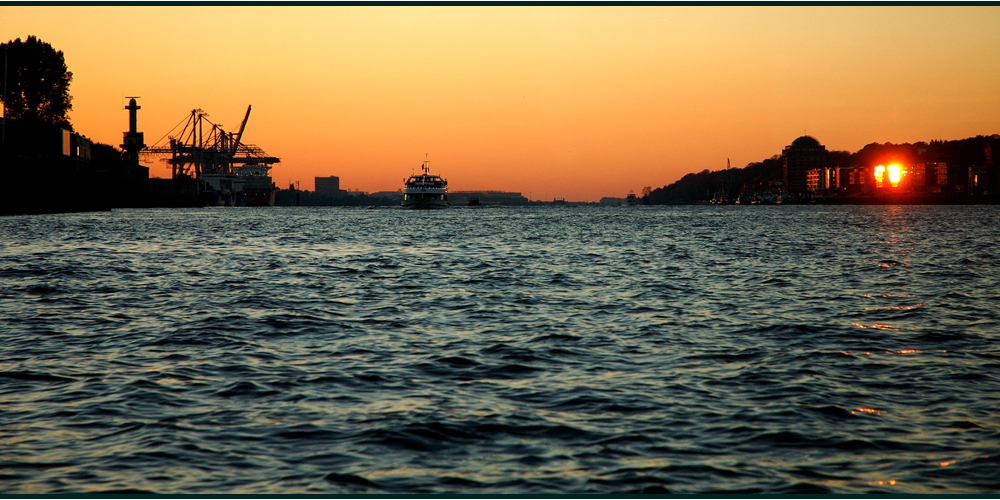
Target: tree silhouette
point(37, 83)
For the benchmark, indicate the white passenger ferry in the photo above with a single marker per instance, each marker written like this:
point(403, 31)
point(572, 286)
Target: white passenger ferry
point(425, 190)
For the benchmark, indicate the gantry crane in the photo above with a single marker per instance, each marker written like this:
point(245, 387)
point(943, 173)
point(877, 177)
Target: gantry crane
point(193, 153)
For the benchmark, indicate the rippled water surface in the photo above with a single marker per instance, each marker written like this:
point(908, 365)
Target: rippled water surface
point(559, 350)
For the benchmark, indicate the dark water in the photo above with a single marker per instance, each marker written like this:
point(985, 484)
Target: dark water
point(689, 350)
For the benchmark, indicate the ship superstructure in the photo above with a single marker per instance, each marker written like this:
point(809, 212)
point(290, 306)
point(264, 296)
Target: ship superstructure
point(425, 191)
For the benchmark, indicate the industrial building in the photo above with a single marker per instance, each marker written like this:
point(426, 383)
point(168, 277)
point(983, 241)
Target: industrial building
point(328, 185)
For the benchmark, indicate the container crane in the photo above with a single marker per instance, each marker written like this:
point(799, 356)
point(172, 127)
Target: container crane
point(239, 135)
point(193, 153)
point(228, 171)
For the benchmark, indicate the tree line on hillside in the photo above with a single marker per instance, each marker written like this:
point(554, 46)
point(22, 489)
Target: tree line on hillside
point(765, 176)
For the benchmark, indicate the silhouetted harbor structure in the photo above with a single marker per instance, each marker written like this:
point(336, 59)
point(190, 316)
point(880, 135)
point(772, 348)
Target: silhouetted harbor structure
point(939, 172)
point(50, 169)
point(133, 140)
point(229, 171)
point(55, 169)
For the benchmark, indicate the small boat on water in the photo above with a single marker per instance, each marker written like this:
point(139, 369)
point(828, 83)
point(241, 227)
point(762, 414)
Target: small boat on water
point(425, 191)
point(631, 200)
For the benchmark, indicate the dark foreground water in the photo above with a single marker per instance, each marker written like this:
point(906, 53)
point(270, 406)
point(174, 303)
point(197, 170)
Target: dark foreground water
point(573, 350)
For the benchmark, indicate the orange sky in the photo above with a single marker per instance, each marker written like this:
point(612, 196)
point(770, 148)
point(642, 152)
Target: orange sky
point(554, 102)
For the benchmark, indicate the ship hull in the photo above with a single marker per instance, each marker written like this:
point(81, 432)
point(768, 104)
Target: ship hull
point(424, 204)
point(259, 197)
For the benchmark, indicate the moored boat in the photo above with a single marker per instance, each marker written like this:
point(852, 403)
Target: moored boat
point(258, 188)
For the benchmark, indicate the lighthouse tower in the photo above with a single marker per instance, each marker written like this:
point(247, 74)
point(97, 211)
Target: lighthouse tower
point(133, 141)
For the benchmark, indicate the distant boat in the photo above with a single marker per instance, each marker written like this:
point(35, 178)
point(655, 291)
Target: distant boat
point(631, 200)
point(474, 202)
point(425, 191)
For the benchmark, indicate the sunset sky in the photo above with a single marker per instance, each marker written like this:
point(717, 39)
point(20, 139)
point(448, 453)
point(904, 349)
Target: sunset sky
point(553, 102)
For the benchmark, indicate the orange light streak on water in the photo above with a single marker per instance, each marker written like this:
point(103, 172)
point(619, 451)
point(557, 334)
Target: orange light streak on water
point(886, 308)
point(891, 482)
point(870, 411)
point(876, 326)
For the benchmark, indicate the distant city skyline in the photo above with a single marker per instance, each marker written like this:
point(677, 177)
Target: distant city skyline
point(571, 102)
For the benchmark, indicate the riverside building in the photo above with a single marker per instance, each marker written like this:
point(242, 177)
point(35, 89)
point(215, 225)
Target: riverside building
point(330, 185)
point(804, 166)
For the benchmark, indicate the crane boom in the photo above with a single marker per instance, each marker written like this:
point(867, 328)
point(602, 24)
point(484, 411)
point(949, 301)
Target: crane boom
point(239, 135)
